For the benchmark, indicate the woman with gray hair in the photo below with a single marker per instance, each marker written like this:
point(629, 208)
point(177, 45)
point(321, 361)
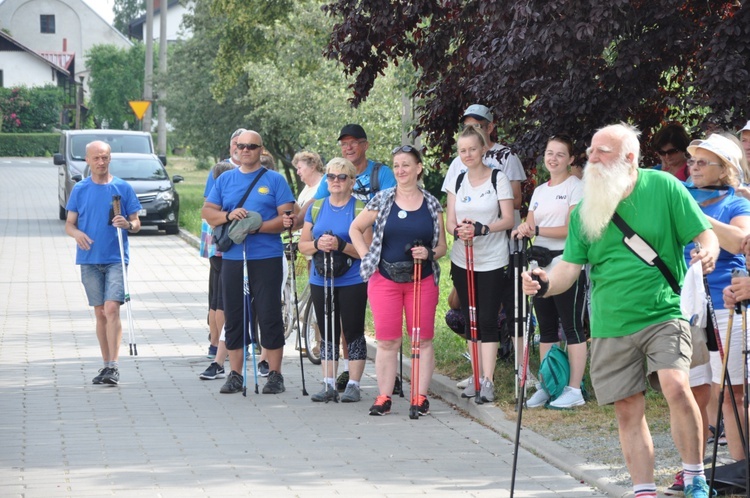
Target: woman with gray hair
point(715, 173)
point(311, 171)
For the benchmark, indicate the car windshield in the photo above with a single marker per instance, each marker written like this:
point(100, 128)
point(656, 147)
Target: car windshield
point(139, 144)
point(137, 169)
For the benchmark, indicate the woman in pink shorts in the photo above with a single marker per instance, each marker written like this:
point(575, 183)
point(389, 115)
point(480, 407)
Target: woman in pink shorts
point(408, 225)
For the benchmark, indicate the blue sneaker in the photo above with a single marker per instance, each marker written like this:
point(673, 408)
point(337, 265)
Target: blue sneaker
point(699, 488)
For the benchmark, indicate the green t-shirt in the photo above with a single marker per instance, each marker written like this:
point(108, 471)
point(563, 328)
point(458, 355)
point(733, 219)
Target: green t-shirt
point(627, 295)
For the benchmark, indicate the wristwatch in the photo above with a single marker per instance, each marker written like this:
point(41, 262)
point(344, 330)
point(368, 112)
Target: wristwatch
point(130, 225)
point(536, 230)
point(485, 230)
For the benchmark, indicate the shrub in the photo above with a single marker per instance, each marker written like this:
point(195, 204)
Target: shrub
point(24, 110)
point(29, 144)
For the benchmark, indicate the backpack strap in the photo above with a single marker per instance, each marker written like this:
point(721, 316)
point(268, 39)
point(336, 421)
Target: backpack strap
point(375, 178)
point(359, 206)
point(460, 180)
point(495, 172)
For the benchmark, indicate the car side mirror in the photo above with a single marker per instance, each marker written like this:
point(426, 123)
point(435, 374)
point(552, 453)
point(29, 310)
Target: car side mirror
point(58, 159)
point(177, 179)
point(163, 160)
point(76, 178)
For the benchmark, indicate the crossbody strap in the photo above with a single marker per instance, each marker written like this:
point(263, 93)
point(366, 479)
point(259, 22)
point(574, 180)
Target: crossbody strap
point(250, 189)
point(644, 251)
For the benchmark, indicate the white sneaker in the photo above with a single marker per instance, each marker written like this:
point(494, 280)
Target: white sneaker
point(464, 383)
point(539, 398)
point(569, 398)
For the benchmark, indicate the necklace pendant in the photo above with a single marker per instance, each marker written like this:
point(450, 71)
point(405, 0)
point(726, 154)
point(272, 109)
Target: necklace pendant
point(402, 214)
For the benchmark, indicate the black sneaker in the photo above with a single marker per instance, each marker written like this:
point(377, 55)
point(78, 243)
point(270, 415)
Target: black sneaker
point(233, 384)
point(112, 377)
point(382, 405)
point(397, 387)
point(263, 368)
point(99, 378)
point(274, 384)
point(423, 408)
point(342, 381)
point(214, 371)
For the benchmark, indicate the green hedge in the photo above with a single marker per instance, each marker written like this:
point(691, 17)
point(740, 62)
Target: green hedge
point(29, 144)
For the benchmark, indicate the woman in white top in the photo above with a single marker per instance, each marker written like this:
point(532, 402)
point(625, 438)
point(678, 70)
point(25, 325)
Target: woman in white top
point(480, 208)
point(549, 212)
point(310, 170)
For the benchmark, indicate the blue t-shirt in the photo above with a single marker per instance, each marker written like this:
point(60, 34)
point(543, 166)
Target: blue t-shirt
point(362, 182)
point(211, 180)
point(337, 220)
point(93, 203)
point(267, 195)
point(404, 227)
point(724, 210)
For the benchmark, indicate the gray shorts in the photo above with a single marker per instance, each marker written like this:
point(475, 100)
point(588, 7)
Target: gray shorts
point(103, 283)
point(620, 365)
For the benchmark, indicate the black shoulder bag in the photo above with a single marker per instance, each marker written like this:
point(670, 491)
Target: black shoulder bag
point(221, 232)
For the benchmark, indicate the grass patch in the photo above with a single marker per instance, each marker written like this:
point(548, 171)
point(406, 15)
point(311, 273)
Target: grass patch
point(190, 190)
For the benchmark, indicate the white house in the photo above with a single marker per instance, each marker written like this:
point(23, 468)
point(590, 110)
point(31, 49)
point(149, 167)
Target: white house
point(58, 26)
point(21, 66)
point(175, 29)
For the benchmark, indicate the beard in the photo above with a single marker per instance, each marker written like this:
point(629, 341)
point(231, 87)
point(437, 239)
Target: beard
point(603, 188)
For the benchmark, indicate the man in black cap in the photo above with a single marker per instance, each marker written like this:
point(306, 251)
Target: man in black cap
point(371, 176)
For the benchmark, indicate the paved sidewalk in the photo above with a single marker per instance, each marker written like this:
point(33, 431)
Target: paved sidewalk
point(163, 432)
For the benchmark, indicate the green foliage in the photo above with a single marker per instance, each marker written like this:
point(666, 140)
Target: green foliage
point(116, 78)
point(127, 11)
point(24, 110)
point(28, 144)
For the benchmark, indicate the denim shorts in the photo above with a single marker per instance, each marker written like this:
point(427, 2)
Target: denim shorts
point(103, 283)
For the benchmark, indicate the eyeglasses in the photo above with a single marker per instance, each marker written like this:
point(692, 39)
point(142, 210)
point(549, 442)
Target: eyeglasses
point(409, 149)
point(350, 143)
point(667, 152)
point(701, 163)
point(249, 146)
point(340, 177)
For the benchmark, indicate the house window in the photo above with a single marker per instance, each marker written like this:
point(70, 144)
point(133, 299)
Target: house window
point(48, 23)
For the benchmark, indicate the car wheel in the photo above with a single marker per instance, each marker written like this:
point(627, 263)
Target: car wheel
point(63, 214)
point(172, 229)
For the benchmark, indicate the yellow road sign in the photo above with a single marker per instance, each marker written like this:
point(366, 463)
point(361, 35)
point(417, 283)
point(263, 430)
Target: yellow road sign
point(139, 107)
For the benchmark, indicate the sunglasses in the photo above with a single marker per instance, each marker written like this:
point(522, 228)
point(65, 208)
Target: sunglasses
point(409, 149)
point(248, 146)
point(340, 177)
point(668, 152)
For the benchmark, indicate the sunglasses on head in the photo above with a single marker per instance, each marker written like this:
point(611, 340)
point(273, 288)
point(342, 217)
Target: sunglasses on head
point(248, 146)
point(340, 177)
point(409, 149)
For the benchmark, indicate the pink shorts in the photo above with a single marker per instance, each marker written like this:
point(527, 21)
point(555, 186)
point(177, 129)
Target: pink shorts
point(389, 300)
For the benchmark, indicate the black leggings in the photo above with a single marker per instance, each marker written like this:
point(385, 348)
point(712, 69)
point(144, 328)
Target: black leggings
point(350, 304)
point(214, 284)
point(265, 277)
point(492, 288)
point(566, 308)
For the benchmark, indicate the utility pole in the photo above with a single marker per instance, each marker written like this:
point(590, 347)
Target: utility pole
point(161, 128)
point(148, 92)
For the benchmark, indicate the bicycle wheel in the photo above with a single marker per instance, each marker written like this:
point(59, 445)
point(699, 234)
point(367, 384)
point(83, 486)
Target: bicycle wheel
point(311, 333)
point(288, 312)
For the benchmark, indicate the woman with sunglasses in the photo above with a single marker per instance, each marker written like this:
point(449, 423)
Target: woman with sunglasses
point(670, 143)
point(480, 211)
point(325, 236)
point(547, 221)
point(408, 227)
point(714, 174)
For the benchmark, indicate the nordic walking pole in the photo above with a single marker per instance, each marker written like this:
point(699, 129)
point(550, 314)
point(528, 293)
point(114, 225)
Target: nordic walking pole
point(247, 328)
point(415, 336)
point(332, 327)
point(469, 246)
point(117, 209)
point(293, 255)
point(519, 303)
point(522, 394)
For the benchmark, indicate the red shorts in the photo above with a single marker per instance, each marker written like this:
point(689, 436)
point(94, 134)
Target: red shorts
point(389, 300)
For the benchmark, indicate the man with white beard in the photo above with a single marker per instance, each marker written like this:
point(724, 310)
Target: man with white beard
point(636, 316)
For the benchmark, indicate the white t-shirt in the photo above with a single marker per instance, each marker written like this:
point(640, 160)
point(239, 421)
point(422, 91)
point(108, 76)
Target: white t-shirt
point(308, 192)
point(551, 206)
point(481, 204)
point(500, 157)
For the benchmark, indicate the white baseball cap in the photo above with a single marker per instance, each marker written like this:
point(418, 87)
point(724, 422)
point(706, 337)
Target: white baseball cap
point(722, 147)
point(746, 128)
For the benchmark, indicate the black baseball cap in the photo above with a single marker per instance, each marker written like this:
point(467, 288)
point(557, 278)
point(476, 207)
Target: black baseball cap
point(352, 130)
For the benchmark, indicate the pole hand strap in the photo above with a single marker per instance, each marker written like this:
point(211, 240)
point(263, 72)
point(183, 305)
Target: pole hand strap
point(644, 251)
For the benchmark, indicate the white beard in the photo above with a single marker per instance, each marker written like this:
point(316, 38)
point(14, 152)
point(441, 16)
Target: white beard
point(603, 188)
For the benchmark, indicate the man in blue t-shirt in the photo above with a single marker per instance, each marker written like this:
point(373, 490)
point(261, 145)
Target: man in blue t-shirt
point(92, 223)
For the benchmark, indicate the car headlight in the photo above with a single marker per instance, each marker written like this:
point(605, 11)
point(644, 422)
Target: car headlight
point(167, 196)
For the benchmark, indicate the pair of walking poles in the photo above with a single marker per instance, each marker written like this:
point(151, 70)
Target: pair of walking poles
point(727, 383)
point(117, 209)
